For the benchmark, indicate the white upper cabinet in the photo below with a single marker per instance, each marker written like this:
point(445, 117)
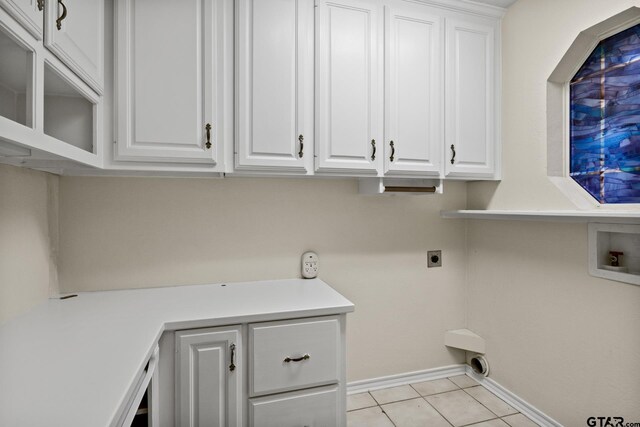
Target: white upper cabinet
point(348, 87)
point(366, 88)
point(274, 85)
point(74, 32)
point(174, 63)
point(414, 54)
point(29, 13)
point(17, 80)
point(209, 371)
point(44, 105)
point(471, 131)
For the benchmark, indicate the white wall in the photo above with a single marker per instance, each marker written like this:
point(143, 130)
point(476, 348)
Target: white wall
point(561, 339)
point(27, 239)
point(124, 233)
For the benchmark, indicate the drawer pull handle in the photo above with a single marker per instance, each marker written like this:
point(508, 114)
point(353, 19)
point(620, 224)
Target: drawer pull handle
point(232, 367)
point(373, 145)
point(453, 157)
point(297, 359)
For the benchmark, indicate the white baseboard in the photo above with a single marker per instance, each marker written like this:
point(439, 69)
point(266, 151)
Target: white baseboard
point(516, 402)
point(407, 378)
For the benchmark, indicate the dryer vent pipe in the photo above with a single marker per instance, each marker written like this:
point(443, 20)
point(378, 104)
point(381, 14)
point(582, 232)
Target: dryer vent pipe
point(480, 365)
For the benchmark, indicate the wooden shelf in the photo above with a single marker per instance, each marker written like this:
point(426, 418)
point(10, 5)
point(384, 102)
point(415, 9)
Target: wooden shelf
point(550, 216)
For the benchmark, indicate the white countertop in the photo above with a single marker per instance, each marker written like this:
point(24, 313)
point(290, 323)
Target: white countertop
point(72, 362)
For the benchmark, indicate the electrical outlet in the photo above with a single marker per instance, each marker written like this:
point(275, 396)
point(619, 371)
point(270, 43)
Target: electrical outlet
point(434, 259)
point(310, 265)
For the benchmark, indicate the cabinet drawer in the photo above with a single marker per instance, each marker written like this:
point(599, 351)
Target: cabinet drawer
point(293, 354)
point(317, 407)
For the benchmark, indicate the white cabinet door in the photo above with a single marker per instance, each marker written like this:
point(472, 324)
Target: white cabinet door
point(209, 369)
point(74, 32)
point(414, 54)
point(174, 64)
point(29, 13)
point(275, 85)
point(349, 73)
point(470, 100)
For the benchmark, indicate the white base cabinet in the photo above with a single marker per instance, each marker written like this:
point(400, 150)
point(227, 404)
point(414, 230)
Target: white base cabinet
point(299, 355)
point(148, 387)
point(209, 371)
point(285, 373)
point(292, 355)
point(315, 407)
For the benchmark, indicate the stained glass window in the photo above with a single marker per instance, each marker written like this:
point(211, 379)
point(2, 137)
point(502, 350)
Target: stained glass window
point(605, 120)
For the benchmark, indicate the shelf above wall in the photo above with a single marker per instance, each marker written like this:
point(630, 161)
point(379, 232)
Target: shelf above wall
point(549, 216)
point(465, 339)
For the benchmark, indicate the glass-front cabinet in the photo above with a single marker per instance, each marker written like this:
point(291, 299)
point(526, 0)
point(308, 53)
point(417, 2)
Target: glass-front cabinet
point(16, 80)
point(47, 112)
point(69, 110)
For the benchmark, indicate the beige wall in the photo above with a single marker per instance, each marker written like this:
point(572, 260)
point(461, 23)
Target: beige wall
point(124, 233)
point(562, 340)
point(27, 239)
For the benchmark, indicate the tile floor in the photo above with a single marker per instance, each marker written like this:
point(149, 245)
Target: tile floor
point(455, 401)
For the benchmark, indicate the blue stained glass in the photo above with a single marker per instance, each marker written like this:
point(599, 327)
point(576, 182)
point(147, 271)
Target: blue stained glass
point(605, 120)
